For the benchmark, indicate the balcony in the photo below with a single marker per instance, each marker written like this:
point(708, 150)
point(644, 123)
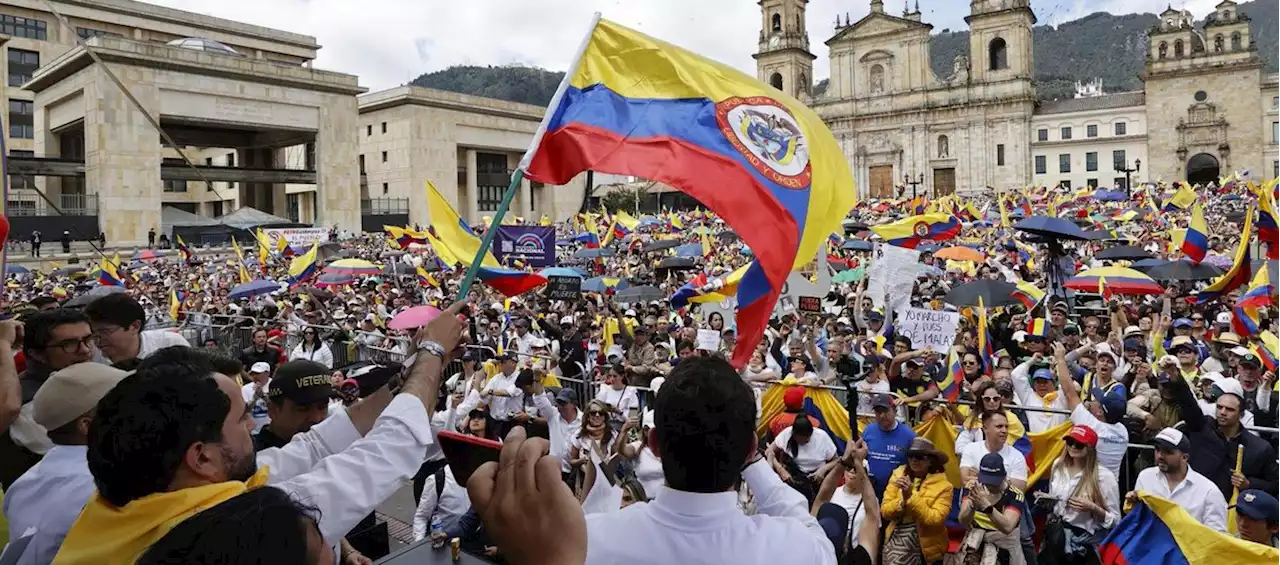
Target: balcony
point(68, 204)
point(384, 206)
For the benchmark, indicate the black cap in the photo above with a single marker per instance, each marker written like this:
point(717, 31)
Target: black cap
point(504, 357)
point(302, 381)
point(881, 400)
point(991, 469)
point(567, 396)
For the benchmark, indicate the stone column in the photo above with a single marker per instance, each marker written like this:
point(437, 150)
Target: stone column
point(337, 167)
point(122, 156)
point(279, 196)
point(466, 205)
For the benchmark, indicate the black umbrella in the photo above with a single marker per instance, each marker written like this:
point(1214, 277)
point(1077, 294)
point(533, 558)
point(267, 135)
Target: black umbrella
point(398, 268)
point(329, 251)
point(639, 294)
point(68, 271)
point(728, 235)
point(660, 245)
point(992, 292)
point(1123, 253)
point(1183, 270)
point(318, 293)
point(853, 226)
point(1048, 227)
point(677, 263)
point(1146, 264)
point(593, 253)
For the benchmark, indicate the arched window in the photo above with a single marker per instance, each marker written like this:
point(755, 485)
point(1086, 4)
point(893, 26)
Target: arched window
point(1177, 49)
point(804, 84)
point(1235, 41)
point(1164, 49)
point(777, 22)
point(776, 80)
point(797, 22)
point(944, 147)
point(877, 78)
point(1217, 43)
point(997, 55)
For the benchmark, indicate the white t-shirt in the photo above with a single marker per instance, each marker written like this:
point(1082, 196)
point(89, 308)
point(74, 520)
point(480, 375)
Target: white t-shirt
point(1113, 439)
point(1015, 463)
point(258, 408)
point(865, 390)
point(648, 470)
point(150, 341)
point(812, 455)
point(852, 503)
point(620, 400)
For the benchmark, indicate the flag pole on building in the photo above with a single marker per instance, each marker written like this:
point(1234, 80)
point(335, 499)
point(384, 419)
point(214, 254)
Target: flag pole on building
point(487, 241)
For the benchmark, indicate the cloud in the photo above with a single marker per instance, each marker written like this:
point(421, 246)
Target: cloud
point(390, 42)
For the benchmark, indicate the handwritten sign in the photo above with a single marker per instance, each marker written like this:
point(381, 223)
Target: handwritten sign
point(563, 288)
point(928, 329)
point(708, 340)
point(809, 304)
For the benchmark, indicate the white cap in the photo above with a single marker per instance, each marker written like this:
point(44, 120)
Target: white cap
point(1240, 351)
point(566, 319)
point(630, 312)
point(260, 367)
point(539, 342)
point(656, 384)
point(1131, 330)
point(1019, 336)
point(1223, 319)
point(1231, 385)
point(1211, 376)
point(1172, 437)
point(1105, 349)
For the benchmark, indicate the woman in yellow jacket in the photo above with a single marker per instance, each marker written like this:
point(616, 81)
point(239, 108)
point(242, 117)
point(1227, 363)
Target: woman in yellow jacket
point(916, 503)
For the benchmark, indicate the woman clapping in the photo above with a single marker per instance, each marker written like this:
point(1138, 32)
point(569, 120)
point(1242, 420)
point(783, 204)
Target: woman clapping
point(1085, 501)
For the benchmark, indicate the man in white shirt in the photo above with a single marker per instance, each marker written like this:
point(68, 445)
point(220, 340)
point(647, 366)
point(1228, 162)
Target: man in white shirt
point(44, 502)
point(344, 466)
point(564, 423)
point(1037, 388)
point(117, 321)
point(255, 394)
point(505, 398)
point(995, 429)
point(1103, 413)
point(1174, 479)
point(704, 434)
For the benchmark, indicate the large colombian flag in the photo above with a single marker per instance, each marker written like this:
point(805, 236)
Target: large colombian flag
point(759, 159)
point(1159, 532)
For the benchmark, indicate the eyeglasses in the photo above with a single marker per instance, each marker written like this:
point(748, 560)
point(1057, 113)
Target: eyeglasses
point(990, 398)
point(969, 363)
point(1073, 443)
point(71, 345)
point(595, 413)
point(917, 457)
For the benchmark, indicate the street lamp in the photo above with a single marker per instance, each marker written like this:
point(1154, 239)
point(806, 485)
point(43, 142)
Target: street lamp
point(919, 180)
point(1128, 180)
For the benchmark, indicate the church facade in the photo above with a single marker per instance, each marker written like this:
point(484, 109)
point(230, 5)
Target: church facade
point(904, 130)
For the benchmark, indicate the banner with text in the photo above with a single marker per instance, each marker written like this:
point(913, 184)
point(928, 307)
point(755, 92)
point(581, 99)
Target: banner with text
point(928, 329)
point(531, 245)
point(296, 237)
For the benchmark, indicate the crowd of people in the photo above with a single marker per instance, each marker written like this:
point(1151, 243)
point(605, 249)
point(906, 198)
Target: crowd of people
point(140, 421)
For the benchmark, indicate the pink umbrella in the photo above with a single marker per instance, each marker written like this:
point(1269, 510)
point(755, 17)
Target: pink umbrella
point(412, 318)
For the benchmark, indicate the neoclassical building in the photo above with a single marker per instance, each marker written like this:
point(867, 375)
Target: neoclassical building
point(904, 128)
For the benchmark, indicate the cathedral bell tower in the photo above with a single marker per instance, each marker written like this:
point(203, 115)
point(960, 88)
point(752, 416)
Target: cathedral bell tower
point(783, 59)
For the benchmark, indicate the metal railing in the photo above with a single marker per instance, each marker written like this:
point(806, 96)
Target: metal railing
point(69, 204)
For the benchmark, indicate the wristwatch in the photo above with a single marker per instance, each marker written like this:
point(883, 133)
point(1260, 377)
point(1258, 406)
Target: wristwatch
point(431, 348)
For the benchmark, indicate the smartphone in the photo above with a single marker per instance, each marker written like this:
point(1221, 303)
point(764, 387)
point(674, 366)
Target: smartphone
point(633, 413)
point(466, 453)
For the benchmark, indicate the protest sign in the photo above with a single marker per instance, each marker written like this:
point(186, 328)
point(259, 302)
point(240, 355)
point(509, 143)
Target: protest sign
point(892, 276)
point(799, 288)
point(708, 340)
point(295, 237)
point(928, 329)
point(531, 245)
point(561, 287)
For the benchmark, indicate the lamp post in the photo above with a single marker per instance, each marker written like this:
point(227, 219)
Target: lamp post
point(1128, 175)
point(919, 180)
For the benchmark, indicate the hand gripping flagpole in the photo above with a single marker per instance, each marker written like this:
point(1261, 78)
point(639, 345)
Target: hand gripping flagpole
point(487, 241)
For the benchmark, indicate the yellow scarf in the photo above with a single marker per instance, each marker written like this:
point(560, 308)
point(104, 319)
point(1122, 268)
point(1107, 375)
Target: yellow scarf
point(107, 535)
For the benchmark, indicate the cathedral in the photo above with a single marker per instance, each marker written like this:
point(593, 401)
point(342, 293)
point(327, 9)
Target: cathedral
point(904, 129)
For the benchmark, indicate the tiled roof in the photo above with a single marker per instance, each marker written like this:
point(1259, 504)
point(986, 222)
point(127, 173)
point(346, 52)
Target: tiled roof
point(1118, 100)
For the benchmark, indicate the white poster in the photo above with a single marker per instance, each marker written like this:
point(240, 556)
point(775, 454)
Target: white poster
point(709, 340)
point(928, 329)
point(296, 237)
point(892, 276)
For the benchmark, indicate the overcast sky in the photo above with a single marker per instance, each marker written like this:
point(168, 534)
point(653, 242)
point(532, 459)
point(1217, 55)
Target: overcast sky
point(390, 42)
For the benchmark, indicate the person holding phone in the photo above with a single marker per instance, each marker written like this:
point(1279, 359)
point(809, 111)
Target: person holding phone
point(802, 456)
point(1084, 498)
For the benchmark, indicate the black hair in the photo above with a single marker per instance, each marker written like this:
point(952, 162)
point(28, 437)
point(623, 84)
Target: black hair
point(42, 301)
point(705, 417)
point(524, 378)
point(989, 414)
point(261, 526)
point(800, 427)
point(127, 364)
point(903, 340)
point(37, 329)
point(119, 309)
point(142, 428)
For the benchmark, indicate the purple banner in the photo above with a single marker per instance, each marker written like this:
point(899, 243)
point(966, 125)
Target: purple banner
point(531, 245)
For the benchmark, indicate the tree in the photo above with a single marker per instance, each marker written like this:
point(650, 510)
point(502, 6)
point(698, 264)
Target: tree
point(624, 197)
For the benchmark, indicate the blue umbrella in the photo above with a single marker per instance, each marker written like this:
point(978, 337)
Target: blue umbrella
point(561, 272)
point(1049, 227)
point(593, 253)
point(599, 284)
point(857, 245)
point(16, 270)
point(253, 288)
point(1103, 195)
point(689, 250)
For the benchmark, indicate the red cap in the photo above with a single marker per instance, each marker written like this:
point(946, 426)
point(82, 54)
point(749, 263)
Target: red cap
point(1084, 434)
point(793, 398)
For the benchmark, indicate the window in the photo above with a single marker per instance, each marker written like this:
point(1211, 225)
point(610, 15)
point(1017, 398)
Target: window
point(1275, 169)
point(1064, 183)
point(384, 127)
point(997, 55)
point(490, 197)
point(22, 181)
point(775, 22)
point(1091, 130)
point(1118, 182)
point(1275, 102)
point(368, 130)
point(1122, 128)
point(492, 178)
point(22, 119)
point(1178, 49)
point(309, 158)
point(877, 78)
point(1000, 155)
point(231, 162)
point(86, 33)
point(1217, 43)
point(174, 185)
point(1275, 132)
point(1164, 49)
point(1091, 161)
point(775, 80)
point(292, 206)
point(23, 27)
point(1064, 163)
point(1040, 165)
point(385, 189)
point(1066, 132)
point(1235, 41)
point(361, 161)
point(384, 156)
point(1042, 135)
point(22, 64)
point(1091, 183)
point(1118, 159)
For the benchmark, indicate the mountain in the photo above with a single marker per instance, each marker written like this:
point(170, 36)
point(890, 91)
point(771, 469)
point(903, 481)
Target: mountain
point(1101, 45)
